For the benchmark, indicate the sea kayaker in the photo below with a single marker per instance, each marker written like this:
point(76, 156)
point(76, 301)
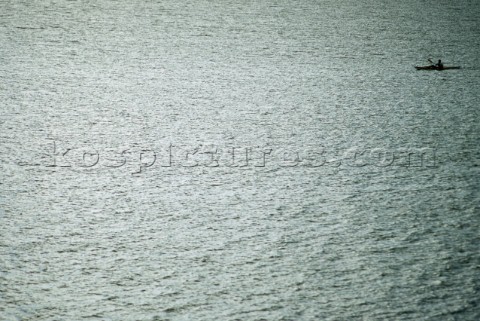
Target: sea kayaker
point(439, 64)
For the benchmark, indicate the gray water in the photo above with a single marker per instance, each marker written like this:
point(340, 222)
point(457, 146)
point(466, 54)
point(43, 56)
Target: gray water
point(239, 160)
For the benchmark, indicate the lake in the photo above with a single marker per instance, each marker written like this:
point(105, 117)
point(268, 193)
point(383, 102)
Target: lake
point(239, 160)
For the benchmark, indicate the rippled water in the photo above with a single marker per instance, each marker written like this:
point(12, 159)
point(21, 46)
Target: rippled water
point(222, 160)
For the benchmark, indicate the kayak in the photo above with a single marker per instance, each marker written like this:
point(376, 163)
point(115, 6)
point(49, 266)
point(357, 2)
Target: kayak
point(436, 68)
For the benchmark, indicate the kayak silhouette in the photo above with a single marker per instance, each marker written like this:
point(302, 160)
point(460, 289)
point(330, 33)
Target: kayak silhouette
point(438, 66)
point(433, 67)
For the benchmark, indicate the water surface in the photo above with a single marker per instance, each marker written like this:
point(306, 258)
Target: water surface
point(126, 190)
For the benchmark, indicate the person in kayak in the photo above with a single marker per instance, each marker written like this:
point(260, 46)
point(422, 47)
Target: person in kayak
point(439, 64)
